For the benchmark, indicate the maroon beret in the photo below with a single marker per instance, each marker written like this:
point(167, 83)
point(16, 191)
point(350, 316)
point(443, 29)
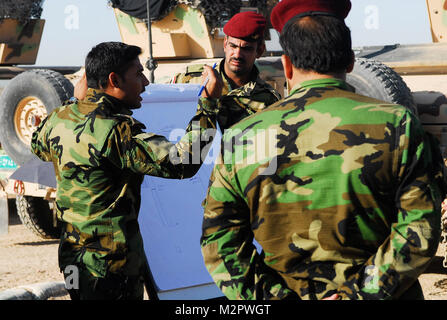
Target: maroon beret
point(287, 9)
point(247, 25)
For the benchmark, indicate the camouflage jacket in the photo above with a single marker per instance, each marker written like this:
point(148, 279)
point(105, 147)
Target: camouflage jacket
point(342, 192)
point(235, 103)
point(100, 156)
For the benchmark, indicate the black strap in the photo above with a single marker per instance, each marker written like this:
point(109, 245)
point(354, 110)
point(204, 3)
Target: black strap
point(149, 281)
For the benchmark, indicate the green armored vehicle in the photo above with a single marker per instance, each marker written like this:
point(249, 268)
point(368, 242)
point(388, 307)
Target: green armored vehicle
point(184, 34)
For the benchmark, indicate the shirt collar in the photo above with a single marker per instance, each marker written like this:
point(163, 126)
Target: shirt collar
point(112, 104)
point(318, 83)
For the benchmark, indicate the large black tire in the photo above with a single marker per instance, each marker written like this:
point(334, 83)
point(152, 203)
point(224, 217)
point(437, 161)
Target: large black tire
point(376, 80)
point(29, 96)
point(36, 214)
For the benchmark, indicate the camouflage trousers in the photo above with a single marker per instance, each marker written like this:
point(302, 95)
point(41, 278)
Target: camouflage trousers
point(111, 287)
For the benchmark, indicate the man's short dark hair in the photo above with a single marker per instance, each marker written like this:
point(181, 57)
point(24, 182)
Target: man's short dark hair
point(108, 57)
point(318, 43)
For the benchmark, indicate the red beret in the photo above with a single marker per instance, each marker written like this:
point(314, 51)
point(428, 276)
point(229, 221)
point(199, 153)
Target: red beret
point(246, 25)
point(287, 9)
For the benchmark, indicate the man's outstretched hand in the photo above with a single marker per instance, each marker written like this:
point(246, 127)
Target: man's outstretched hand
point(213, 88)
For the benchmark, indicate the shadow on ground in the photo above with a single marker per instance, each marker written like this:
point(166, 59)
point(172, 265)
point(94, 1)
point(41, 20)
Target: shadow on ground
point(38, 243)
point(12, 210)
point(436, 266)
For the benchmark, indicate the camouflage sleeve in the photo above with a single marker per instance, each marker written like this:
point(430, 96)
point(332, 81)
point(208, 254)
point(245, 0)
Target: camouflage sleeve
point(227, 244)
point(414, 235)
point(152, 154)
point(39, 142)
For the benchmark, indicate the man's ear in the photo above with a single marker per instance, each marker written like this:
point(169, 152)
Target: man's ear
point(287, 66)
point(351, 65)
point(260, 50)
point(114, 80)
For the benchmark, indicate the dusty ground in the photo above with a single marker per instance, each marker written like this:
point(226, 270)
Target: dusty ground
point(27, 259)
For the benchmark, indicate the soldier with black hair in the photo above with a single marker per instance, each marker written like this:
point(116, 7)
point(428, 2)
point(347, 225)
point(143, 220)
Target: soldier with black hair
point(100, 155)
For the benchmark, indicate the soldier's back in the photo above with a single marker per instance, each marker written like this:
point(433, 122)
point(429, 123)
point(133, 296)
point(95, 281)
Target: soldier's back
point(319, 172)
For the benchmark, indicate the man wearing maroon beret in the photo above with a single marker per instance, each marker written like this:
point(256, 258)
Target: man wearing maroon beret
point(352, 207)
point(244, 92)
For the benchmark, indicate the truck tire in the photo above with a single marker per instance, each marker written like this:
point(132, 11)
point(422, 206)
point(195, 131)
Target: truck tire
point(35, 213)
point(376, 80)
point(25, 102)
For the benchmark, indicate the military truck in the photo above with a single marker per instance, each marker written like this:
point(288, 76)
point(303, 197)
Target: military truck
point(183, 33)
point(26, 100)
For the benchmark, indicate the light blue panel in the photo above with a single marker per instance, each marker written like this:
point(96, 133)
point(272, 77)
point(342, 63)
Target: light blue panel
point(171, 212)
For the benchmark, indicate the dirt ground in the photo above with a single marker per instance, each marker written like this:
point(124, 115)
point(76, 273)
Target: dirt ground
point(27, 259)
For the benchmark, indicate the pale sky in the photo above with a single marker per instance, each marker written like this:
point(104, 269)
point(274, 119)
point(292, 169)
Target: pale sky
point(74, 26)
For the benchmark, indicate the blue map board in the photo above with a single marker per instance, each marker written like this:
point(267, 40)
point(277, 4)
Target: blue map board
point(171, 212)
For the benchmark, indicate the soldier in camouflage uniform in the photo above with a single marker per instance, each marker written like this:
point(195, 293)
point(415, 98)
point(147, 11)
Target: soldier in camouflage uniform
point(244, 92)
point(352, 209)
point(100, 156)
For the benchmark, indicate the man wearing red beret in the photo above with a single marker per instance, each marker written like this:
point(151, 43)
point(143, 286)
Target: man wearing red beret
point(352, 209)
point(244, 92)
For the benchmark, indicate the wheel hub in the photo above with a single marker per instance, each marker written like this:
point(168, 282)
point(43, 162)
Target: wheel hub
point(29, 113)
